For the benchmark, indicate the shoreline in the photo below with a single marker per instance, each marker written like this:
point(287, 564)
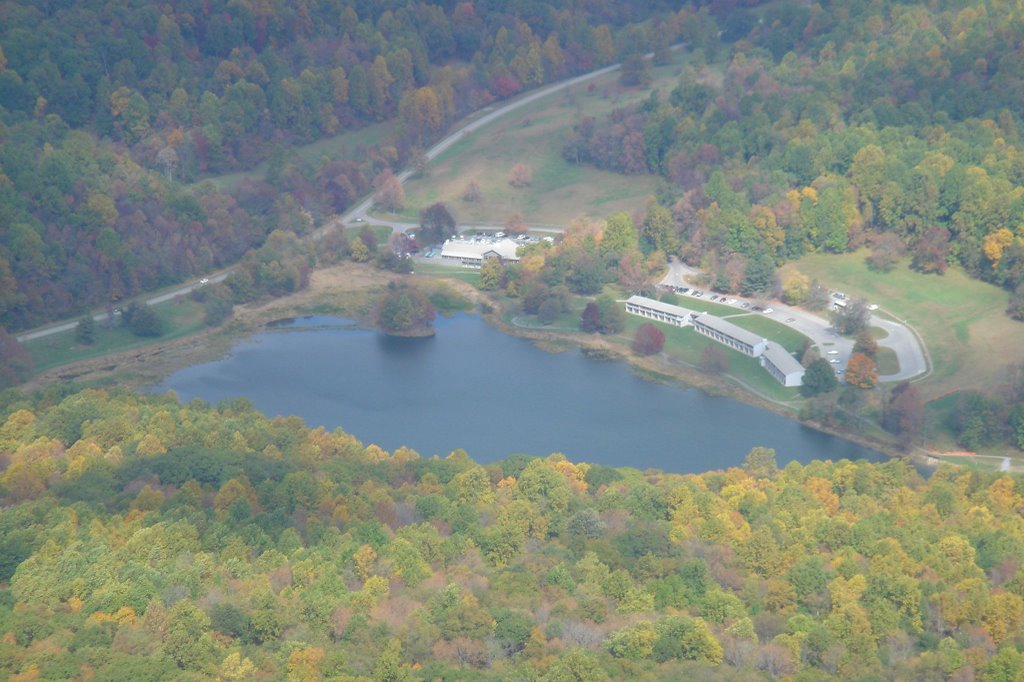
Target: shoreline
point(344, 290)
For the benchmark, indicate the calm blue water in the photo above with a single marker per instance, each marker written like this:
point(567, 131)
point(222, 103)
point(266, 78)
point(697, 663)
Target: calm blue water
point(493, 395)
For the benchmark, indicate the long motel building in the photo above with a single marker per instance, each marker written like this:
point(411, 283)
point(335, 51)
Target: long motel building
point(773, 357)
point(656, 310)
point(783, 366)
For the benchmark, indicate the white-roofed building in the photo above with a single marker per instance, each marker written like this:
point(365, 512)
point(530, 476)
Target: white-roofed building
point(656, 310)
point(471, 253)
point(728, 334)
point(783, 366)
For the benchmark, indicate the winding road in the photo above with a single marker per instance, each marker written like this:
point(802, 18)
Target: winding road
point(360, 213)
point(900, 338)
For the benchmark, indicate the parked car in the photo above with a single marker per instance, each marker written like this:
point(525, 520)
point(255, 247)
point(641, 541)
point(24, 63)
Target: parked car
point(769, 311)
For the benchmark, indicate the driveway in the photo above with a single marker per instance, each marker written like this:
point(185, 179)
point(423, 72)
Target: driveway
point(900, 338)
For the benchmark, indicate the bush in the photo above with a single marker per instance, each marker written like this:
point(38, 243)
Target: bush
point(143, 321)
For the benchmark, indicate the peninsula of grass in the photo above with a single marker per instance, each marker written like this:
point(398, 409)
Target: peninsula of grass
point(963, 321)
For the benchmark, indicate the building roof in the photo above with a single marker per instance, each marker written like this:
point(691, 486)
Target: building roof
point(655, 304)
point(477, 248)
point(729, 329)
point(782, 360)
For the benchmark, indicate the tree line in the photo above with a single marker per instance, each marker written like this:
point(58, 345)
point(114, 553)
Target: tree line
point(143, 538)
point(889, 125)
point(108, 112)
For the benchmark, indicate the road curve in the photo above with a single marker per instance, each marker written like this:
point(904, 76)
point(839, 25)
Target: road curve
point(360, 212)
point(909, 349)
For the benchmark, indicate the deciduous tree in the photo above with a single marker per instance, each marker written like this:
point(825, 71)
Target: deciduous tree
point(861, 371)
point(648, 339)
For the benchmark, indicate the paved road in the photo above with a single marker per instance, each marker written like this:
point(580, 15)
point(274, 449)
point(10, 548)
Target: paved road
point(900, 339)
point(360, 213)
point(103, 317)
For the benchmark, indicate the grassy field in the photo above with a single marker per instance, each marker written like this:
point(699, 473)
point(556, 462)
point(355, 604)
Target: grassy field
point(534, 135)
point(962, 321)
point(181, 317)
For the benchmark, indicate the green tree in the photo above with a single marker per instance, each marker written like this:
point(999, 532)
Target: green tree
point(619, 235)
point(405, 311)
point(187, 641)
point(142, 320)
point(85, 331)
point(818, 378)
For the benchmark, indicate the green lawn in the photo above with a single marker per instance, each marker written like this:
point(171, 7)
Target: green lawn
point(963, 321)
point(181, 317)
point(534, 135)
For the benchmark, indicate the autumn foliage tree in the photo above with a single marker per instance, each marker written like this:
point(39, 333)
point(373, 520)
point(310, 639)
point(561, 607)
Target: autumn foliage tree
point(904, 412)
point(520, 176)
point(405, 311)
point(648, 339)
point(861, 371)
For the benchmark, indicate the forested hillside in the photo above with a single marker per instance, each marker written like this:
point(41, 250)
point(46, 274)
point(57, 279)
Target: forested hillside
point(144, 539)
point(108, 109)
point(893, 125)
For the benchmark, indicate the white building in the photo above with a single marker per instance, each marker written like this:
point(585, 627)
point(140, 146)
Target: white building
point(773, 357)
point(783, 366)
point(472, 252)
point(729, 334)
point(656, 310)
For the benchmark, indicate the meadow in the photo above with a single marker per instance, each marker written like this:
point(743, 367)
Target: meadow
point(534, 135)
point(962, 321)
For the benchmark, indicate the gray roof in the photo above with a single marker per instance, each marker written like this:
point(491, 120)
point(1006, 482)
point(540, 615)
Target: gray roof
point(729, 329)
point(655, 304)
point(464, 248)
point(782, 360)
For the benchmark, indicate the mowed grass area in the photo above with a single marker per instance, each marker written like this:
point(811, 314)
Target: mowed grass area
point(962, 321)
point(181, 317)
point(345, 145)
point(535, 135)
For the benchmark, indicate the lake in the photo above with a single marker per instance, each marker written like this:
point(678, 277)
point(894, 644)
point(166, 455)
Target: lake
point(493, 395)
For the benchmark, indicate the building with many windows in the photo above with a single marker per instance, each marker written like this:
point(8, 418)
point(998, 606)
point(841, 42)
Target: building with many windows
point(781, 365)
point(773, 357)
point(656, 310)
point(728, 334)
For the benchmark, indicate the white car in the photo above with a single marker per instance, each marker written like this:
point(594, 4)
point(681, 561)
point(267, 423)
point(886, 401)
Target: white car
point(204, 281)
point(872, 307)
point(769, 311)
point(834, 361)
point(833, 352)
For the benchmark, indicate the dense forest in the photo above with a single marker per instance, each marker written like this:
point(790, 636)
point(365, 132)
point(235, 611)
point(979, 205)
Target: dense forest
point(109, 110)
point(891, 125)
point(145, 539)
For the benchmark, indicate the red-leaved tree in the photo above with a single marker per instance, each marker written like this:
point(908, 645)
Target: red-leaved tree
point(648, 339)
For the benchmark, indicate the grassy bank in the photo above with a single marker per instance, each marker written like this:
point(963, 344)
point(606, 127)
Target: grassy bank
point(962, 321)
point(182, 317)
